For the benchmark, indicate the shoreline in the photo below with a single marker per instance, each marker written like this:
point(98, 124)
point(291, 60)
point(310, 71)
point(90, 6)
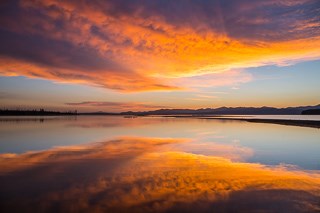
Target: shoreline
point(287, 122)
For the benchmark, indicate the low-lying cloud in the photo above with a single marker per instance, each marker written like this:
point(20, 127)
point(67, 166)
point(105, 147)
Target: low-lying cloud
point(116, 105)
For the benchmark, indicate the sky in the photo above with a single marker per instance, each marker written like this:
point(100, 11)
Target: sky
point(120, 55)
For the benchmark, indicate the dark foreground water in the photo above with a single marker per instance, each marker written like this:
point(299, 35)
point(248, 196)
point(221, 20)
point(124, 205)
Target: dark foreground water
point(148, 164)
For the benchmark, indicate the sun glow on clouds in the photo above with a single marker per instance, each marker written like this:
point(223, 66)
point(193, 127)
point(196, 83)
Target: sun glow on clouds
point(153, 45)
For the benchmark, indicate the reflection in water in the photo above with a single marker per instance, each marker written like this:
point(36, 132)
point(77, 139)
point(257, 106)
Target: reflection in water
point(35, 119)
point(233, 152)
point(240, 141)
point(111, 121)
point(147, 174)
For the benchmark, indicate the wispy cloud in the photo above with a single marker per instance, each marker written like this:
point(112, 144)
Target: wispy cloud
point(230, 78)
point(117, 105)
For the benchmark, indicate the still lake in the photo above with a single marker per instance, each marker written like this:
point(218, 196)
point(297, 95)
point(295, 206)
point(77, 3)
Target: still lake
point(112, 163)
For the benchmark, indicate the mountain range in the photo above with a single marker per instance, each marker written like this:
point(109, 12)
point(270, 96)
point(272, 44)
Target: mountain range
point(228, 111)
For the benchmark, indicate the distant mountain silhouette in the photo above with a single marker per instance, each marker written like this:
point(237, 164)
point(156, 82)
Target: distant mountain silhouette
point(311, 112)
point(228, 111)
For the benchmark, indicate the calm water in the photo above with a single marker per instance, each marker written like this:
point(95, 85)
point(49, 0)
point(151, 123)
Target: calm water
point(110, 163)
point(283, 117)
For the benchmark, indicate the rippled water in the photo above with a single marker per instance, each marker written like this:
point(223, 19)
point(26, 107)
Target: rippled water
point(147, 164)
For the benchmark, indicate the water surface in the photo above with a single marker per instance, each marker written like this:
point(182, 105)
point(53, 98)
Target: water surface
point(112, 163)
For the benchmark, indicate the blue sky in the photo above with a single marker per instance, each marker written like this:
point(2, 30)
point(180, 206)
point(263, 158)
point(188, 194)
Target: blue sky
point(270, 86)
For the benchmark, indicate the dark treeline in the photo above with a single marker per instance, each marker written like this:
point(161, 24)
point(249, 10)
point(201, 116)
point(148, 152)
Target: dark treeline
point(311, 112)
point(43, 112)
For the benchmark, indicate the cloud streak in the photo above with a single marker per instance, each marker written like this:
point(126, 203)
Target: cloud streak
point(143, 45)
point(116, 105)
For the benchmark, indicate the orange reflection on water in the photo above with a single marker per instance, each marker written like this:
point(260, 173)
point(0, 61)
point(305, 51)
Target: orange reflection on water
point(141, 174)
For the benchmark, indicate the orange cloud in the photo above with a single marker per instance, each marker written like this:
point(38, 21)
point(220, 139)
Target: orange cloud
point(142, 46)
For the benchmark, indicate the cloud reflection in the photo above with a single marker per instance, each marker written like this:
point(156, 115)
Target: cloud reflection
point(142, 175)
point(233, 152)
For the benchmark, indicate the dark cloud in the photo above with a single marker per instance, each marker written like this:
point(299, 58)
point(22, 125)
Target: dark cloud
point(54, 53)
point(259, 20)
point(268, 200)
point(272, 20)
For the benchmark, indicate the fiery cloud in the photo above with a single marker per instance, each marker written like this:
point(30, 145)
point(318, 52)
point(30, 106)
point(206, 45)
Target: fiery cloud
point(141, 175)
point(142, 45)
